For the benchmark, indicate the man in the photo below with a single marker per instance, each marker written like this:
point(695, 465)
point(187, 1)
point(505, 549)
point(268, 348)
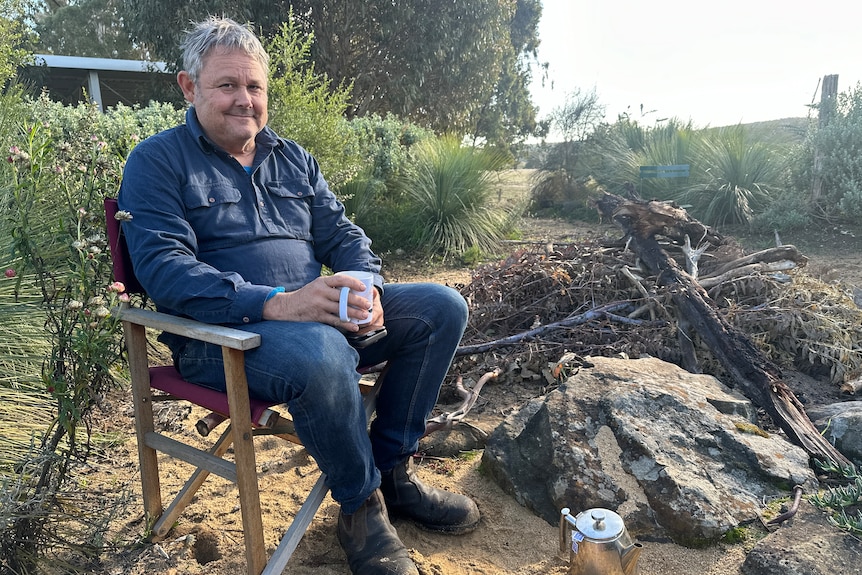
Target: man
point(230, 225)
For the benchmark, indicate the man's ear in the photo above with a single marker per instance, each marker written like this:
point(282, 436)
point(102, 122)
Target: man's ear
point(187, 86)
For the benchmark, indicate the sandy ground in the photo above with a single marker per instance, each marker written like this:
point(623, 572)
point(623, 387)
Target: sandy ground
point(509, 540)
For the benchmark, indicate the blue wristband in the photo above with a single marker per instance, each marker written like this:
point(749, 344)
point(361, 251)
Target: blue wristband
point(273, 292)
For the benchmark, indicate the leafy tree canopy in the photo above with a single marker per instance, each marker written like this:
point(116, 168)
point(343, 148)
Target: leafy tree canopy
point(12, 54)
point(91, 28)
point(462, 66)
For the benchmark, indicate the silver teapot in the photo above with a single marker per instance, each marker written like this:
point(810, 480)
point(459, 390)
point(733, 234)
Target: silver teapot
point(597, 543)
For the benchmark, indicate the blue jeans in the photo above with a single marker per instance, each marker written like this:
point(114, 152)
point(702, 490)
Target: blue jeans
point(311, 368)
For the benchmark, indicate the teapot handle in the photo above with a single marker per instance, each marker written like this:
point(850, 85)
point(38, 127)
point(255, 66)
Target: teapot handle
point(566, 521)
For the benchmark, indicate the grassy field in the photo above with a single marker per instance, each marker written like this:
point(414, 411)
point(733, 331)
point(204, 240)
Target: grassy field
point(513, 186)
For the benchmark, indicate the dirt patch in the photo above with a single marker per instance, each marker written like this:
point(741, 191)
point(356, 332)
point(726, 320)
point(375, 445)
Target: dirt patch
point(510, 539)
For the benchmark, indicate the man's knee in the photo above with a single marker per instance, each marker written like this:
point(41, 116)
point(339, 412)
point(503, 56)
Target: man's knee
point(449, 305)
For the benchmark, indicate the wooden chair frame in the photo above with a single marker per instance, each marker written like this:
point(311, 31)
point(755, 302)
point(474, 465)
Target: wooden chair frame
point(247, 418)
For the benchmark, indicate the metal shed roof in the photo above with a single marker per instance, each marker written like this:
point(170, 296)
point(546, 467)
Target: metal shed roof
point(105, 81)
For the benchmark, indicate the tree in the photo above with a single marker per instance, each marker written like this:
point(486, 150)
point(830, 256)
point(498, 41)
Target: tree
point(91, 28)
point(439, 64)
point(11, 30)
point(430, 61)
point(509, 116)
point(560, 185)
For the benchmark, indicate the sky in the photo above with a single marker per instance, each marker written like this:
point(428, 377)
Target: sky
point(716, 63)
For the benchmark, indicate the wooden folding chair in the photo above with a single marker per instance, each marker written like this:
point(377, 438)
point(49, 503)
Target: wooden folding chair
point(247, 418)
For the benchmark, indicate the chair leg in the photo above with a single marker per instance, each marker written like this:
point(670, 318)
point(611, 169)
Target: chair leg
point(142, 397)
point(297, 528)
point(185, 495)
point(246, 467)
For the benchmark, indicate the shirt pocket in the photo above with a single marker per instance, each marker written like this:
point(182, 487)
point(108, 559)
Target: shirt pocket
point(215, 214)
point(293, 200)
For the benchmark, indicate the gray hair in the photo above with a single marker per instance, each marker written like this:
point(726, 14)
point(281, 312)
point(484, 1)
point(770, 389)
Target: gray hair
point(223, 34)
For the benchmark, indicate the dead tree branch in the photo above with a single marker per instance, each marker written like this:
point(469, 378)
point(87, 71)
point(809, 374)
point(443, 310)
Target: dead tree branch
point(749, 369)
point(770, 256)
point(605, 311)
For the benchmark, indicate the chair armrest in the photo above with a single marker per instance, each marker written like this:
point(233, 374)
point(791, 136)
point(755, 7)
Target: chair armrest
point(210, 333)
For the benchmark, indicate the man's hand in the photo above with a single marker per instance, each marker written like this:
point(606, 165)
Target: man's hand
point(318, 301)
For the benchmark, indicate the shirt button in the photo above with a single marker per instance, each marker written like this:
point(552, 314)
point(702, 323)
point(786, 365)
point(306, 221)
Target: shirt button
point(246, 320)
point(212, 200)
point(261, 204)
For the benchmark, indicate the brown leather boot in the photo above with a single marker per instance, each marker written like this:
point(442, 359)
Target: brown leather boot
point(371, 543)
point(431, 508)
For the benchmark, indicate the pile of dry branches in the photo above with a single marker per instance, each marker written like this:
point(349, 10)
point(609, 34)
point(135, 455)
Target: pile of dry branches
point(596, 299)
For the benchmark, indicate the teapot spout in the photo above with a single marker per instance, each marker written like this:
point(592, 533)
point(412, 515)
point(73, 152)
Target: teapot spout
point(629, 558)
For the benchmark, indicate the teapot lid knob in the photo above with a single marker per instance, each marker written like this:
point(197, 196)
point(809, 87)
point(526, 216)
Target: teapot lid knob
point(599, 524)
point(598, 516)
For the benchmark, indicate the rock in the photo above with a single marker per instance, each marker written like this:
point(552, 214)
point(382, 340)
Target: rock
point(805, 545)
point(453, 442)
point(841, 424)
point(645, 439)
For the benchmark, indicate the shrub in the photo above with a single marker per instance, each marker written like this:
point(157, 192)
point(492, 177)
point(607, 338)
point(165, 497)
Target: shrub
point(557, 193)
point(53, 215)
point(787, 211)
point(60, 164)
point(305, 107)
point(735, 178)
point(373, 197)
point(386, 144)
point(448, 190)
point(832, 156)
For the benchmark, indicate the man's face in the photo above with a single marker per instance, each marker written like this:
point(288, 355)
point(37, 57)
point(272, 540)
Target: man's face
point(229, 98)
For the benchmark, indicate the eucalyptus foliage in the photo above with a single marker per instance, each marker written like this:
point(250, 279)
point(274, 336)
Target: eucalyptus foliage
point(462, 66)
point(90, 28)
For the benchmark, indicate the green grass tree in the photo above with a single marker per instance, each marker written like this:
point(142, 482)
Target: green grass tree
point(736, 178)
point(447, 193)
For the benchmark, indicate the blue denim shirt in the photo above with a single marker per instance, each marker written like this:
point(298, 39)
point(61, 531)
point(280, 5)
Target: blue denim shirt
point(210, 241)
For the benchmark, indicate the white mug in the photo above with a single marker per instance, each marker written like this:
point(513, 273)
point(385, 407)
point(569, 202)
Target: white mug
point(367, 278)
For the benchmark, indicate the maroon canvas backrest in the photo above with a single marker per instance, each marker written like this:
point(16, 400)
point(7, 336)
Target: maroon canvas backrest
point(122, 262)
